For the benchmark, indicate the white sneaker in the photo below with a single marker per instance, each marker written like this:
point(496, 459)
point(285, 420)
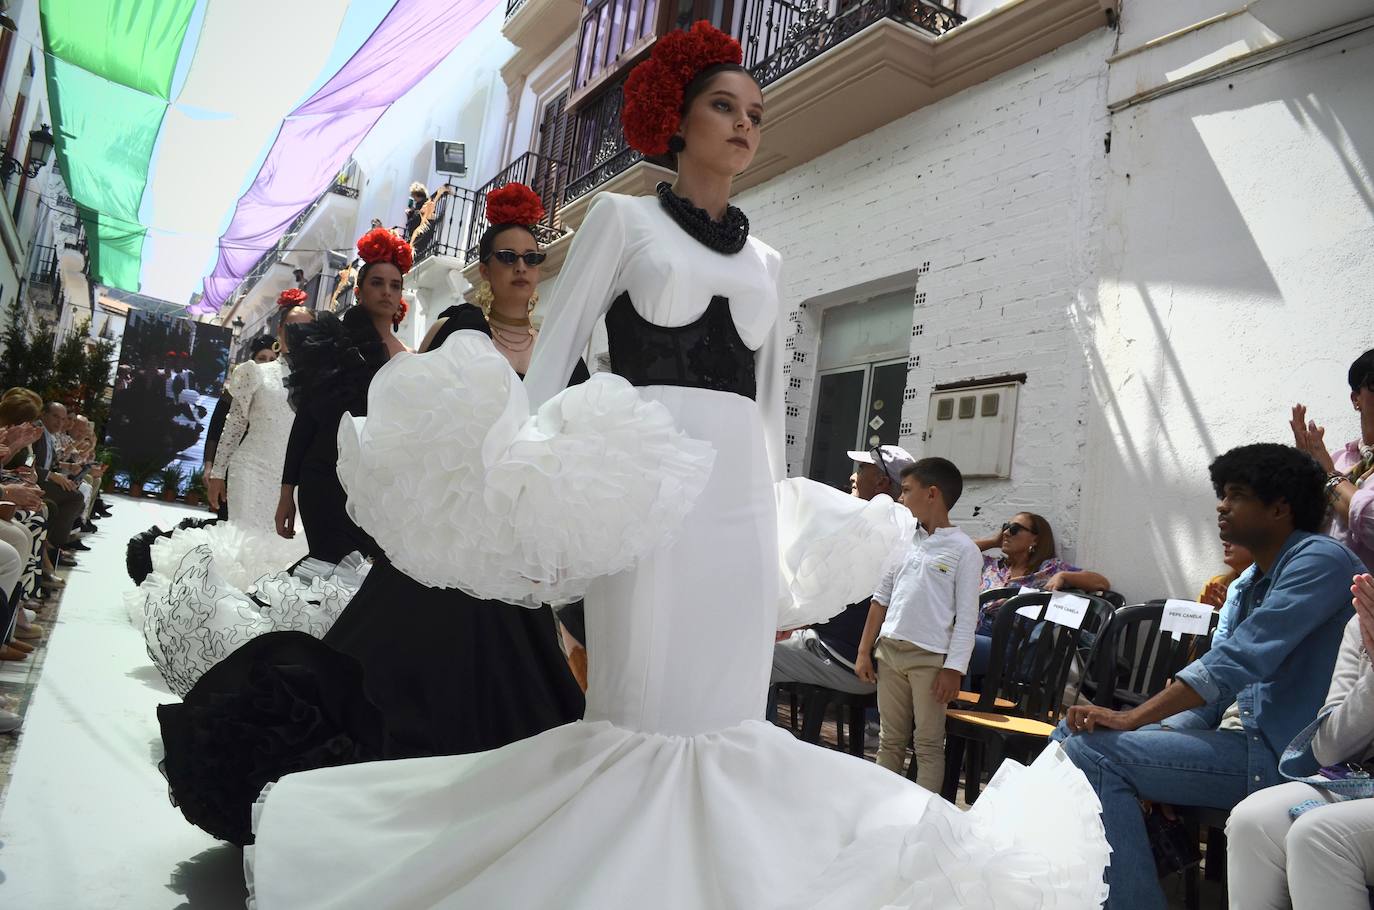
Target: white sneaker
point(10, 722)
point(29, 615)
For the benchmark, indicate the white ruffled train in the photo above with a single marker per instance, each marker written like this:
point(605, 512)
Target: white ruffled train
point(592, 815)
point(215, 588)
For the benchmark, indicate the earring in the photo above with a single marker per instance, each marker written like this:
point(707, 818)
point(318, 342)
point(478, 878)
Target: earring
point(534, 301)
point(483, 297)
point(276, 347)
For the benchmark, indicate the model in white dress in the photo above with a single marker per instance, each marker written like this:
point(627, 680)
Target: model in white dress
point(252, 461)
point(672, 792)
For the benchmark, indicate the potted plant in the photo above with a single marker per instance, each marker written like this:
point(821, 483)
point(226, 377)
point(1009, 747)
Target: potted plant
point(139, 473)
point(170, 479)
point(195, 488)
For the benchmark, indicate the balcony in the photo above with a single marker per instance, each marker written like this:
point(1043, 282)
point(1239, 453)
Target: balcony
point(547, 177)
point(832, 74)
point(44, 273)
point(437, 278)
point(536, 27)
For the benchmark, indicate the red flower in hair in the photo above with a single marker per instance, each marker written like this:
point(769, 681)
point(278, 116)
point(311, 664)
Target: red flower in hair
point(380, 245)
point(514, 203)
point(654, 90)
point(291, 297)
point(400, 315)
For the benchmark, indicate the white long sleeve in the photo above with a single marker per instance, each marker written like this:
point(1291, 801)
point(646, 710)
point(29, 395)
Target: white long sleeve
point(772, 354)
point(245, 380)
point(581, 296)
point(1347, 733)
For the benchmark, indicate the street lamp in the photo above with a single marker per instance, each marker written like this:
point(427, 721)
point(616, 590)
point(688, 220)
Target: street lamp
point(237, 326)
point(41, 144)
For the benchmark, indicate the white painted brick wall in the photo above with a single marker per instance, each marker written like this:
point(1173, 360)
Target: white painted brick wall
point(999, 190)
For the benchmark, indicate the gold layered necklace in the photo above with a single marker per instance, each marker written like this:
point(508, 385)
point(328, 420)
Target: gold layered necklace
point(515, 335)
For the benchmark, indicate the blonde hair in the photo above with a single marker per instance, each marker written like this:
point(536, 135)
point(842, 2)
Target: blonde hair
point(19, 405)
point(418, 187)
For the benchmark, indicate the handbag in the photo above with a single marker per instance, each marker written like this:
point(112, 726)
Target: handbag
point(1345, 781)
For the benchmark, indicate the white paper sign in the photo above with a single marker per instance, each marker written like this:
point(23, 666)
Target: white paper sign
point(1067, 610)
point(1185, 617)
point(1030, 611)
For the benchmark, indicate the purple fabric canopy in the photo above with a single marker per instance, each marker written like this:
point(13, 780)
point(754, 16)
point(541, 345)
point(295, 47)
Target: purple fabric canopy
point(317, 138)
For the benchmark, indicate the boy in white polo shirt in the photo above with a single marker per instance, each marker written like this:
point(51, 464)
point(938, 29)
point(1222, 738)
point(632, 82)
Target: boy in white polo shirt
point(922, 618)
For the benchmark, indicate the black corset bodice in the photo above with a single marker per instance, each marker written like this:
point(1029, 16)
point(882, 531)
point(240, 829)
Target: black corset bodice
point(706, 354)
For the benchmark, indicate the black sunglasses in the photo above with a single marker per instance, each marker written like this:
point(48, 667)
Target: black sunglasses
point(1013, 528)
point(508, 257)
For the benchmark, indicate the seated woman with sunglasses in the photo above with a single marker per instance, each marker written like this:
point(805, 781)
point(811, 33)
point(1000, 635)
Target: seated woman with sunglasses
point(1028, 560)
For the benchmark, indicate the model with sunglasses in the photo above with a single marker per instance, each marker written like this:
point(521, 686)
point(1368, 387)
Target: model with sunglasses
point(671, 793)
point(480, 673)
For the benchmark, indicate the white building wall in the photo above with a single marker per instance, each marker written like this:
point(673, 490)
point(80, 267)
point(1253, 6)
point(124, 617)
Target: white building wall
point(1235, 282)
point(990, 202)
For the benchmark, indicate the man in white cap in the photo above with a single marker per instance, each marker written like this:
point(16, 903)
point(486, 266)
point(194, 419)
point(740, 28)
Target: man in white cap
point(824, 655)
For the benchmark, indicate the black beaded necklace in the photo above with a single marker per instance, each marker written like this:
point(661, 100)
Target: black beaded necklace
point(725, 236)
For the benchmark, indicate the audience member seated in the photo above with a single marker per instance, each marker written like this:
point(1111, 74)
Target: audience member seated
point(1276, 662)
point(1301, 844)
point(1350, 468)
point(1028, 560)
point(1236, 559)
point(824, 655)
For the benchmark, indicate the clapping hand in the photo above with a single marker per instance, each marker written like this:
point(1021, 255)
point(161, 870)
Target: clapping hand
point(1310, 438)
point(1362, 596)
point(1214, 595)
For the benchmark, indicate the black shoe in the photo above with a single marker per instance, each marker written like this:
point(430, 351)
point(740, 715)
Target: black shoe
point(76, 545)
point(66, 560)
point(90, 527)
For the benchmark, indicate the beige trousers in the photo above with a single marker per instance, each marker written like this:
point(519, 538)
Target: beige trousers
point(1323, 861)
point(905, 674)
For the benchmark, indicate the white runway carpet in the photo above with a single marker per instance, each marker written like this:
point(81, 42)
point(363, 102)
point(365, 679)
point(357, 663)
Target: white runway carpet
point(86, 823)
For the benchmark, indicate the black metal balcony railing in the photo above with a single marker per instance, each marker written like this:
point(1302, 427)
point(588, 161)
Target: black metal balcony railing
point(513, 6)
point(44, 266)
point(600, 151)
point(453, 216)
point(809, 37)
point(546, 176)
point(778, 37)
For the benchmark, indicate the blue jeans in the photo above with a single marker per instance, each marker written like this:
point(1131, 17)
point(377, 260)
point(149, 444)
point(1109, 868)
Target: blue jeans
point(1183, 767)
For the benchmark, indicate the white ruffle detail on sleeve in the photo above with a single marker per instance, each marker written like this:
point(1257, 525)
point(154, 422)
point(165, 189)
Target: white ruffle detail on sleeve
point(833, 548)
point(463, 489)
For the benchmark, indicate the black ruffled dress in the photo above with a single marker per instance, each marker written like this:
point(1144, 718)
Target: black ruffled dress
point(406, 671)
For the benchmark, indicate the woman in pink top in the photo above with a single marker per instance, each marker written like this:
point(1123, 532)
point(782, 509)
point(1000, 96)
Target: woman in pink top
point(1349, 468)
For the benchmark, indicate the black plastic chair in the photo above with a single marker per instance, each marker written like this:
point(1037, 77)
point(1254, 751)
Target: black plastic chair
point(1136, 659)
point(1032, 659)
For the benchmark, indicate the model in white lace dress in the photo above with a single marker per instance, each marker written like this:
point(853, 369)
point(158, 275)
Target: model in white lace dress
point(251, 461)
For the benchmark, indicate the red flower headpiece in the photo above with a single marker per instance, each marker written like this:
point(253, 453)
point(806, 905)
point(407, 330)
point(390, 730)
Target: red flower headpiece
point(654, 91)
point(291, 297)
point(400, 315)
point(380, 245)
point(514, 203)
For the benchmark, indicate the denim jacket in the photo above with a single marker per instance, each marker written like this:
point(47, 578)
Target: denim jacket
point(1275, 658)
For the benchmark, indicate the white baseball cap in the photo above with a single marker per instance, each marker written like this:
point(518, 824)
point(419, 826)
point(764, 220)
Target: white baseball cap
point(894, 460)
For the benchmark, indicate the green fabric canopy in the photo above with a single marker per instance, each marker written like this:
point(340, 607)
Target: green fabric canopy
point(110, 65)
